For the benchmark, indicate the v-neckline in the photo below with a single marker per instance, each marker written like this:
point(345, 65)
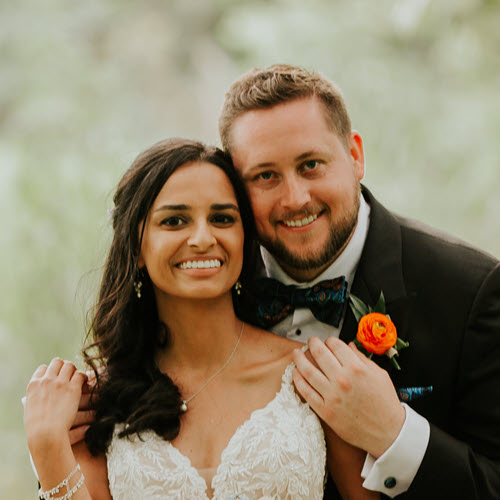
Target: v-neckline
point(285, 380)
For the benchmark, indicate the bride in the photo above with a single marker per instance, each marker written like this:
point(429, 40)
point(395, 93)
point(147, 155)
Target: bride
point(191, 401)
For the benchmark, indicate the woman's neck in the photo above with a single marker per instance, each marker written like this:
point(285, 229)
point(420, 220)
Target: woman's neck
point(202, 333)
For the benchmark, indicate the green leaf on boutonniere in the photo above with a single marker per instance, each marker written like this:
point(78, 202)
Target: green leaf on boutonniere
point(358, 307)
point(380, 305)
point(401, 344)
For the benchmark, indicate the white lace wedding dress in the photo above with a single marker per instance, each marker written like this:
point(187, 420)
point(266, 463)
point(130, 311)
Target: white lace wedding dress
point(279, 452)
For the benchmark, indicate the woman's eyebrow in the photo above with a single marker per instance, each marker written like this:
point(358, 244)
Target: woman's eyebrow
point(224, 206)
point(214, 206)
point(173, 207)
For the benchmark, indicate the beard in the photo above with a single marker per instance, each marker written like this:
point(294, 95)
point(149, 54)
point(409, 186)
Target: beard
point(339, 235)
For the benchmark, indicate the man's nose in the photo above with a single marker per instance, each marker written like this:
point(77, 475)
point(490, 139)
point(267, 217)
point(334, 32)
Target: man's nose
point(202, 236)
point(295, 193)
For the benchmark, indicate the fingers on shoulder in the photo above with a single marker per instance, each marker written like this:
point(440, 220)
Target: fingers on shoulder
point(79, 378)
point(348, 355)
point(322, 355)
point(68, 369)
point(306, 392)
point(45, 370)
point(54, 367)
point(58, 372)
point(39, 372)
point(310, 369)
point(358, 353)
point(365, 362)
point(335, 345)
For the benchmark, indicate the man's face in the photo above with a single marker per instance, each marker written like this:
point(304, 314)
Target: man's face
point(303, 183)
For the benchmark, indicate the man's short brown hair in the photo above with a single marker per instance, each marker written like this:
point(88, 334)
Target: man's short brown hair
point(267, 87)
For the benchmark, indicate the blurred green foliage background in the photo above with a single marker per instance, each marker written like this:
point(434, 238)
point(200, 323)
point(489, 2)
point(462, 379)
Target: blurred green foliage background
point(85, 86)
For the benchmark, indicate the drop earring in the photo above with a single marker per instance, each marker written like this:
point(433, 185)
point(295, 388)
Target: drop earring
point(138, 285)
point(238, 287)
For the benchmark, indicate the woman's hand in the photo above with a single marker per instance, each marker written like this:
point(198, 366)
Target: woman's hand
point(85, 416)
point(52, 399)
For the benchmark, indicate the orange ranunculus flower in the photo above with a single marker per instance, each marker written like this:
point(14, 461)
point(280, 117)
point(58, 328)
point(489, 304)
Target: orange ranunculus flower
point(376, 332)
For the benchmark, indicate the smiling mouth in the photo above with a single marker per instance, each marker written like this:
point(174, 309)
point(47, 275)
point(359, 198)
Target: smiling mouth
point(300, 222)
point(200, 264)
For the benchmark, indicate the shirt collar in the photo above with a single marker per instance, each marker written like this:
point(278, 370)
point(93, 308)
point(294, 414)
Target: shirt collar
point(344, 265)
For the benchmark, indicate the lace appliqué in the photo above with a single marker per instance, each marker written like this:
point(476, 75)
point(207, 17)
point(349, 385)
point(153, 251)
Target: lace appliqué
point(279, 452)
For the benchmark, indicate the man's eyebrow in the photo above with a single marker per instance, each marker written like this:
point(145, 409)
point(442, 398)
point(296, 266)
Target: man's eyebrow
point(305, 155)
point(173, 207)
point(311, 154)
point(224, 206)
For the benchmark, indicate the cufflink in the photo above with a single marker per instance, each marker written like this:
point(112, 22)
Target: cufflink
point(390, 482)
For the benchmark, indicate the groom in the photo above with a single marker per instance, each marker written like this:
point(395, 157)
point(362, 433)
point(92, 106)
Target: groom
point(290, 137)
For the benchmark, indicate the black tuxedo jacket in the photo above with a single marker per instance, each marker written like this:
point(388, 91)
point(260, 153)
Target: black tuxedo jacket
point(444, 298)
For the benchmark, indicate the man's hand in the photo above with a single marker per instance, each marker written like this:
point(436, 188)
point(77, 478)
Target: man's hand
point(350, 393)
point(84, 416)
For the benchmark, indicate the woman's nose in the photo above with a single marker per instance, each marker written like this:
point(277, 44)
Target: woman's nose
point(202, 237)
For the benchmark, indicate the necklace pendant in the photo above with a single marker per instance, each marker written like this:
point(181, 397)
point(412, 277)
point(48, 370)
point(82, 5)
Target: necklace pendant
point(184, 406)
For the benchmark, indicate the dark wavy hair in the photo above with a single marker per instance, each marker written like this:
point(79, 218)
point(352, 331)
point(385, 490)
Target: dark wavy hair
point(125, 332)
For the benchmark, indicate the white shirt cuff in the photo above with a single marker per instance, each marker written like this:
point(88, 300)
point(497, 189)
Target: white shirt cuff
point(393, 472)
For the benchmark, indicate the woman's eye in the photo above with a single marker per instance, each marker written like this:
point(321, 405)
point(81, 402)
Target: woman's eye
point(173, 221)
point(222, 219)
point(265, 176)
point(310, 164)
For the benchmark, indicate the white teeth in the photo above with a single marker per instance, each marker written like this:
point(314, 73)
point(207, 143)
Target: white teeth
point(301, 222)
point(200, 264)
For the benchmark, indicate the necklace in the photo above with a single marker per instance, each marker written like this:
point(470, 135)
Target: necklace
point(185, 402)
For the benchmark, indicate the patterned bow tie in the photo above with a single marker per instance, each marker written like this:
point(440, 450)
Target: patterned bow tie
point(275, 301)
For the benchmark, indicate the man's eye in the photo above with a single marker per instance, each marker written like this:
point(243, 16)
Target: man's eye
point(310, 164)
point(222, 219)
point(173, 221)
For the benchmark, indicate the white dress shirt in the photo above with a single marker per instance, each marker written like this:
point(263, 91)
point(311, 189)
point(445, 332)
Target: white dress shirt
point(400, 463)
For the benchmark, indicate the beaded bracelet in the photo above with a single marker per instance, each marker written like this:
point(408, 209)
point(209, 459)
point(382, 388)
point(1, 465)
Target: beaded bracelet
point(48, 495)
point(70, 493)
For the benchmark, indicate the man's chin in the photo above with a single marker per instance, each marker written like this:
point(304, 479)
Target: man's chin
point(302, 259)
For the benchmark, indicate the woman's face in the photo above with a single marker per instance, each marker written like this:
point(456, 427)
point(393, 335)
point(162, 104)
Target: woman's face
point(192, 245)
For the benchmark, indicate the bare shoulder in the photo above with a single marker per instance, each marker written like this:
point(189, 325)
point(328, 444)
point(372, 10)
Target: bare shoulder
point(95, 471)
point(269, 347)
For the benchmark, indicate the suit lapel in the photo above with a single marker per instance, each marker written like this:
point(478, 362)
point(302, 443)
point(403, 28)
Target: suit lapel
point(380, 269)
point(361, 290)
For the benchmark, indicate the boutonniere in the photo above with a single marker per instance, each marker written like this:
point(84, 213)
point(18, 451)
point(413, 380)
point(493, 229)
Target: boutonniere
point(377, 333)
